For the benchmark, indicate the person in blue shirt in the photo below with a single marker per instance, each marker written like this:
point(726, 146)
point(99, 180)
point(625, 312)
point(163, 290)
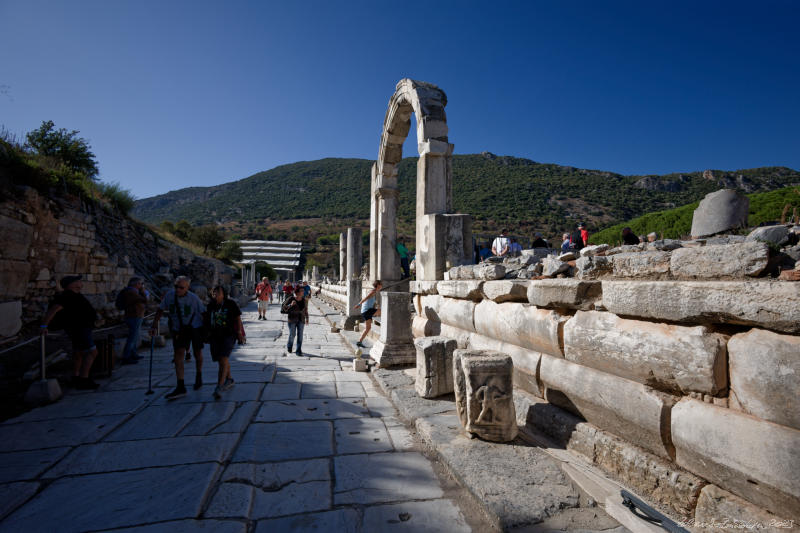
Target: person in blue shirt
point(484, 252)
point(369, 310)
point(306, 290)
point(185, 311)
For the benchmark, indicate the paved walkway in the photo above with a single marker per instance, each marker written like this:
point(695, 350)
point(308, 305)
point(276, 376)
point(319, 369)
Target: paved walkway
point(299, 444)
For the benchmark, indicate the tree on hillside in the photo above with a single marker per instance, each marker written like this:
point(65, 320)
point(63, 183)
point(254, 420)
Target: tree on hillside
point(167, 226)
point(182, 230)
point(209, 237)
point(230, 251)
point(65, 145)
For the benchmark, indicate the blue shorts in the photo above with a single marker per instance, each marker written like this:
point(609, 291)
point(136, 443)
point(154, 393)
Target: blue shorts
point(81, 339)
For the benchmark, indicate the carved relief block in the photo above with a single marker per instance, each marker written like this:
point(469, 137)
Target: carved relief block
point(483, 386)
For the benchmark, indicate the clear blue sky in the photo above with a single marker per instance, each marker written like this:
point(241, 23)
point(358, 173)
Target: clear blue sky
point(172, 94)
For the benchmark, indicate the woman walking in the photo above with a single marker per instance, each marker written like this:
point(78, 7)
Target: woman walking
point(296, 309)
point(224, 327)
point(368, 310)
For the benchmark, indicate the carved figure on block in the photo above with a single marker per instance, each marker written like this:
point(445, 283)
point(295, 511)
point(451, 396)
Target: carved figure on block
point(484, 391)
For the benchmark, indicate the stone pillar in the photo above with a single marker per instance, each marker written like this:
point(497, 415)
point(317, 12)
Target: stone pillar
point(343, 256)
point(315, 273)
point(434, 366)
point(353, 277)
point(443, 241)
point(388, 267)
point(373, 224)
point(484, 391)
point(396, 344)
point(434, 176)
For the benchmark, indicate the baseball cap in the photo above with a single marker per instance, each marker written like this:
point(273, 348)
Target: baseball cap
point(66, 281)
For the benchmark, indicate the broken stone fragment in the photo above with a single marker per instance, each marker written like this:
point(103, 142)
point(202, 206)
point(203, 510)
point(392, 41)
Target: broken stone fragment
point(434, 376)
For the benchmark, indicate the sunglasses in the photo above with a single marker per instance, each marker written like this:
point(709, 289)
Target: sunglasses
point(181, 287)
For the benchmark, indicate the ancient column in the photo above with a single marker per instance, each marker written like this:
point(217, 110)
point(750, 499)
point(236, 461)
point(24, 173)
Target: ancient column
point(373, 223)
point(342, 256)
point(388, 266)
point(354, 260)
point(396, 344)
point(315, 273)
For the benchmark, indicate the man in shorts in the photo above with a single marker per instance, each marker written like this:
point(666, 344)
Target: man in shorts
point(185, 311)
point(264, 297)
point(369, 310)
point(224, 325)
point(78, 321)
point(296, 310)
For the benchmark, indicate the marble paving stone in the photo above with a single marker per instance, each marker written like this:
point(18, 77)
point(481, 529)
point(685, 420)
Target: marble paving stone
point(307, 376)
point(57, 433)
point(285, 440)
point(19, 466)
point(349, 375)
point(99, 403)
point(436, 516)
point(136, 497)
point(313, 409)
point(361, 435)
point(281, 391)
point(350, 389)
point(158, 421)
point(239, 421)
point(130, 455)
point(380, 407)
point(211, 416)
point(340, 521)
point(275, 489)
point(12, 495)
point(384, 477)
point(191, 526)
point(241, 392)
point(318, 390)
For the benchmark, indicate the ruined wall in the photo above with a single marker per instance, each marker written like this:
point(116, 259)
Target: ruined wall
point(48, 238)
point(680, 386)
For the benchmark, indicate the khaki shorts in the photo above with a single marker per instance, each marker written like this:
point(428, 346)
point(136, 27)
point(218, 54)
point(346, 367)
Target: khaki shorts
point(263, 305)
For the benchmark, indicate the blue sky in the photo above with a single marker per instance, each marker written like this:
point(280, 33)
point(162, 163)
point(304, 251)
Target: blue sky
point(172, 94)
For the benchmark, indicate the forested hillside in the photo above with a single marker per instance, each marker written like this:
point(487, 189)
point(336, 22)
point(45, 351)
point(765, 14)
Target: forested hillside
point(495, 190)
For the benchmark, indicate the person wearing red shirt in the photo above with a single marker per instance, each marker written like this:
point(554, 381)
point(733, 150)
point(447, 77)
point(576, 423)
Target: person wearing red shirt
point(264, 296)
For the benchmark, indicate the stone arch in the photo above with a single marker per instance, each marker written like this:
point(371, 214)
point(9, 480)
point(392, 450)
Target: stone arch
point(434, 180)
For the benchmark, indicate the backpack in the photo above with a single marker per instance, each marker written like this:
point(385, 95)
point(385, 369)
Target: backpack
point(119, 303)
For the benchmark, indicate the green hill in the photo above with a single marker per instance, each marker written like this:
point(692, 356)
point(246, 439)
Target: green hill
point(676, 223)
point(496, 190)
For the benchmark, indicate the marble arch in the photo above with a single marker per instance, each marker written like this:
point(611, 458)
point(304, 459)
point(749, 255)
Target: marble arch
point(442, 239)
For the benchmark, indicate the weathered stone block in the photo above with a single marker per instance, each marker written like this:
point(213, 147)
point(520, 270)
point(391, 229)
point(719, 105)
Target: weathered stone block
point(625, 408)
point(505, 291)
point(774, 234)
point(424, 287)
point(465, 289)
point(764, 370)
point(772, 305)
point(458, 313)
point(719, 511)
point(395, 345)
point(564, 293)
point(520, 324)
point(17, 238)
point(552, 266)
point(641, 265)
point(10, 318)
point(490, 271)
point(434, 366)
point(666, 357)
point(720, 211)
point(734, 261)
point(754, 459)
point(484, 389)
point(423, 327)
point(589, 251)
point(14, 276)
point(593, 267)
point(526, 362)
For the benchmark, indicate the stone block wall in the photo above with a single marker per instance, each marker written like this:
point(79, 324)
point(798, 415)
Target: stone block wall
point(676, 388)
point(49, 238)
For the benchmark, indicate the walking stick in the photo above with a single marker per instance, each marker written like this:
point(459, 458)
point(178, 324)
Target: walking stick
point(150, 376)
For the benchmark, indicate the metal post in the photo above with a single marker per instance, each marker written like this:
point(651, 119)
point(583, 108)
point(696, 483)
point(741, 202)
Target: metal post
point(44, 377)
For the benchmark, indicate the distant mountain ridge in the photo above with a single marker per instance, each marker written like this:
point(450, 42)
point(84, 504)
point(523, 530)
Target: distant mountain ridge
point(493, 189)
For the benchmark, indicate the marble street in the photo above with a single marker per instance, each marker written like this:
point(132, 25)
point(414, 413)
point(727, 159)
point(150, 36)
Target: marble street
point(298, 444)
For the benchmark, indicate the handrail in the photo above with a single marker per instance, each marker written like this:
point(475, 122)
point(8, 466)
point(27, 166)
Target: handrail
point(23, 343)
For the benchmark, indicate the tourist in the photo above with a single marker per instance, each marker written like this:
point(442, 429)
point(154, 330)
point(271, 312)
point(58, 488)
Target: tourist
point(484, 252)
point(368, 310)
point(584, 234)
point(288, 289)
point(76, 315)
point(515, 248)
point(538, 241)
point(296, 310)
point(566, 244)
point(576, 239)
point(133, 299)
point(403, 252)
point(628, 237)
point(223, 320)
point(306, 290)
point(652, 237)
point(185, 312)
point(500, 246)
point(263, 295)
